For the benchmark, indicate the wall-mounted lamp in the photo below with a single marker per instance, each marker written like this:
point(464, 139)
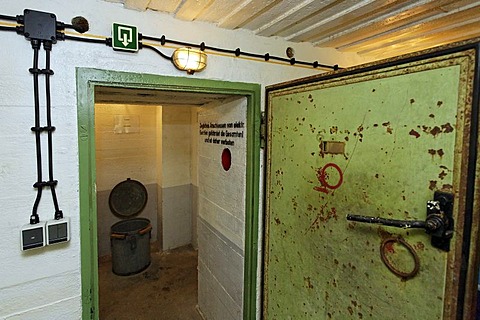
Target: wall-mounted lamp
point(190, 60)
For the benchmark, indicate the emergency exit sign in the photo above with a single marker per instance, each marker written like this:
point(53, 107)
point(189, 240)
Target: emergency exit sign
point(124, 37)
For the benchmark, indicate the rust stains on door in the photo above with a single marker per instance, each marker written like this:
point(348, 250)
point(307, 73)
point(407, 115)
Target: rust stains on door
point(375, 143)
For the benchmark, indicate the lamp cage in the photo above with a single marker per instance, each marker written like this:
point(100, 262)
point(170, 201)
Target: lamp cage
point(190, 60)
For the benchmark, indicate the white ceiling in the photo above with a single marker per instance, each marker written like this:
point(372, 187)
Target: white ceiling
point(374, 28)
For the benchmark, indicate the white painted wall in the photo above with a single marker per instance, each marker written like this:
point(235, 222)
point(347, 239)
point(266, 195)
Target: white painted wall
point(120, 156)
point(176, 173)
point(46, 284)
point(222, 193)
point(159, 159)
point(176, 136)
point(125, 155)
point(221, 210)
point(194, 174)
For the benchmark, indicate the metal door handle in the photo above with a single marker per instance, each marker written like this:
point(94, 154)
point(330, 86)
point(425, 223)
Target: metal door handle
point(439, 222)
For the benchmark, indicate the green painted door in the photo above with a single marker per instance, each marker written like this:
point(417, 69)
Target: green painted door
point(378, 141)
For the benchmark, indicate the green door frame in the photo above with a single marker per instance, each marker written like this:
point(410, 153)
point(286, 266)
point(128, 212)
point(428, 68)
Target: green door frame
point(87, 79)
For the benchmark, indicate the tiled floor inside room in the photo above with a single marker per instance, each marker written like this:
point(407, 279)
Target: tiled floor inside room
point(166, 290)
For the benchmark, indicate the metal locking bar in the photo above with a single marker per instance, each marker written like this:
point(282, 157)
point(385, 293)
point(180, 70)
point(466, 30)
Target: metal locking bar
point(439, 222)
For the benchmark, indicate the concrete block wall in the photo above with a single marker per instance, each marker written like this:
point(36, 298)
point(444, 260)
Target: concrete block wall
point(221, 207)
point(220, 275)
point(46, 283)
point(194, 174)
point(176, 176)
point(159, 162)
point(124, 155)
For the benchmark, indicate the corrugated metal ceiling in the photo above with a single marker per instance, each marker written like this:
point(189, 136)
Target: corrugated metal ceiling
point(374, 28)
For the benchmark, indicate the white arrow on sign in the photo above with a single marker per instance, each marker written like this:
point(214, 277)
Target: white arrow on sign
point(125, 40)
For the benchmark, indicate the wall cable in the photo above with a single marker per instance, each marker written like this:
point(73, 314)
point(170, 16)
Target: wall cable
point(9, 18)
point(37, 130)
point(85, 39)
point(8, 28)
point(47, 45)
point(163, 55)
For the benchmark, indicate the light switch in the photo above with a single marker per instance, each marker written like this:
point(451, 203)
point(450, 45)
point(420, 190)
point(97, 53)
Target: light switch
point(33, 236)
point(58, 231)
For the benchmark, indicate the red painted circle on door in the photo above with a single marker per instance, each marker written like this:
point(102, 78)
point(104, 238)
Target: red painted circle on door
point(226, 159)
point(323, 176)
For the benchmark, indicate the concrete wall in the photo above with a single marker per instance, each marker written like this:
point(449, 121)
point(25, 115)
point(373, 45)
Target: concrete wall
point(159, 162)
point(221, 201)
point(46, 283)
point(194, 174)
point(177, 179)
point(121, 155)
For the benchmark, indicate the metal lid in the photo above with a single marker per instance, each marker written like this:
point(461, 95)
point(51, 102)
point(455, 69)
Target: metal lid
point(128, 198)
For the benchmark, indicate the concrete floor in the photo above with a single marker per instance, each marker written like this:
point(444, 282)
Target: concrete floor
point(166, 290)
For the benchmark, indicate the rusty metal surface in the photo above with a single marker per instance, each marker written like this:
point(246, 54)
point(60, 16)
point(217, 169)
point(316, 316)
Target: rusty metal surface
point(406, 131)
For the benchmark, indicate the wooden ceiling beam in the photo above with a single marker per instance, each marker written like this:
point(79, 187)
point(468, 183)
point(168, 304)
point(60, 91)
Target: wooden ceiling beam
point(277, 14)
point(382, 24)
point(139, 5)
point(293, 16)
point(376, 21)
point(244, 12)
point(416, 30)
point(424, 42)
point(169, 6)
point(191, 9)
point(322, 18)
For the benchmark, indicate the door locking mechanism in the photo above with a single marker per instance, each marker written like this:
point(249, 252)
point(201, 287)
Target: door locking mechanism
point(439, 222)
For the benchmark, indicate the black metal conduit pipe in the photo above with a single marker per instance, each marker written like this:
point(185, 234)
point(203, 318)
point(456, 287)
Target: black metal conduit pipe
point(9, 18)
point(47, 45)
point(237, 52)
point(37, 130)
point(106, 41)
point(5, 28)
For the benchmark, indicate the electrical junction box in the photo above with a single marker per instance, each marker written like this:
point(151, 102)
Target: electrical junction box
point(33, 236)
point(40, 25)
point(58, 231)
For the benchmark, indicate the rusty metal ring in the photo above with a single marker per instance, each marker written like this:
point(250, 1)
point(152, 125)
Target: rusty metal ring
point(403, 275)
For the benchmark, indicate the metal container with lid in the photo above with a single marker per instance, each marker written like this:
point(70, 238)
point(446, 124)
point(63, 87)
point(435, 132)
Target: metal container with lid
point(130, 238)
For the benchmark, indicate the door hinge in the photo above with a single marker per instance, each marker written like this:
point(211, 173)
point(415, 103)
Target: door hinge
point(92, 307)
point(263, 130)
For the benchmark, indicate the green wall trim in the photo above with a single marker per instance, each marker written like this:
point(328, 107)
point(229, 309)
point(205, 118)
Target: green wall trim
point(87, 79)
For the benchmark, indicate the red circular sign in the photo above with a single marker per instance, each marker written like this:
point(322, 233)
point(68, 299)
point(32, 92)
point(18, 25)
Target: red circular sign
point(226, 159)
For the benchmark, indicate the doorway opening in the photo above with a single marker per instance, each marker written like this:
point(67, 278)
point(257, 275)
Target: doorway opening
point(156, 134)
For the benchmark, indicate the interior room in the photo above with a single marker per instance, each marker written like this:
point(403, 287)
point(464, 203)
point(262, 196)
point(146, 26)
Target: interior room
point(154, 138)
point(239, 159)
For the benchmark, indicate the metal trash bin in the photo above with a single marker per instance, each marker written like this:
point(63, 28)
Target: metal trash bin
point(130, 244)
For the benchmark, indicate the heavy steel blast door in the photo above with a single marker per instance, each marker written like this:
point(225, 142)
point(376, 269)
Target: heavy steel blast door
point(371, 177)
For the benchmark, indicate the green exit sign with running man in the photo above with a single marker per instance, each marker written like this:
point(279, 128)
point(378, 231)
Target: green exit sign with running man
point(124, 37)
